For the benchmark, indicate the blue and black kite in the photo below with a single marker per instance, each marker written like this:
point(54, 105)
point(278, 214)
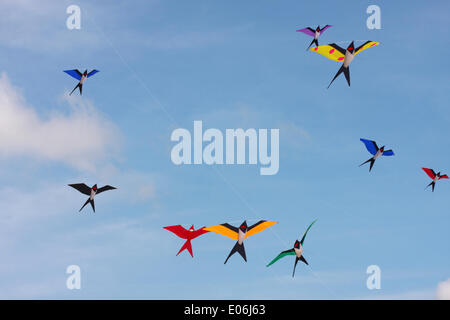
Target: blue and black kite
point(81, 77)
point(375, 151)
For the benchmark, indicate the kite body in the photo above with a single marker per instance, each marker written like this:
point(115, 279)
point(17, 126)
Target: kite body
point(239, 234)
point(91, 192)
point(296, 251)
point(81, 77)
point(336, 53)
point(373, 149)
point(186, 234)
point(314, 33)
point(434, 177)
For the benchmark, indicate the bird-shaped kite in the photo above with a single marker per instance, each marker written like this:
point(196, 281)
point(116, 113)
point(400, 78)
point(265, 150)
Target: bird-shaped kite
point(239, 234)
point(296, 251)
point(434, 176)
point(186, 234)
point(334, 52)
point(81, 77)
point(375, 151)
point(314, 33)
point(91, 192)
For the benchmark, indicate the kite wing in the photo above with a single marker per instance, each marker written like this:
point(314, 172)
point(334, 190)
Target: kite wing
point(290, 252)
point(370, 145)
point(308, 31)
point(92, 73)
point(444, 177)
point(366, 45)
point(74, 73)
point(178, 230)
point(430, 172)
point(324, 28)
point(82, 188)
point(197, 233)
point(258, 227)
point(303, 238)
point(225, 230)
point(105, 188)
point(331, 51)
point(388, 153)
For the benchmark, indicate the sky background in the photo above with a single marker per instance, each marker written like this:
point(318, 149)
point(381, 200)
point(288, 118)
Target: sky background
point(231, 64)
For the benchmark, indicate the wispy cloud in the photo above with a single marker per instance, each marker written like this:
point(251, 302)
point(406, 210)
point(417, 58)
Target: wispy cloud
point(80, 139)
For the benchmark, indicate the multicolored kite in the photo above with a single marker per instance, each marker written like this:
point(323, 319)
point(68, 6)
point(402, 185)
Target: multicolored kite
point(296, 251)
point(186, 234)
point(334, 52)
point(91, 192)
point(434, 176)
point(239, 234)
point(375, 151)
point(81, 77)
point(314, 33)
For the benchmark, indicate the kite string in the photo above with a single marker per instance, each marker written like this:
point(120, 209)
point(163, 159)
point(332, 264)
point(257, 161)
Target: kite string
point(230, 185)
point(172, 119)
point(135, 74)
point(322, 283)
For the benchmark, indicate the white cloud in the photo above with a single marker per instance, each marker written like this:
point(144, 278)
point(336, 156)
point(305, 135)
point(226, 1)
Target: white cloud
point(81, 138)
point(443, 290)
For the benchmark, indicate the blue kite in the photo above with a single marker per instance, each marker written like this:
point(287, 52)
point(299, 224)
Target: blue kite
point(375, 151)
point(81, 77)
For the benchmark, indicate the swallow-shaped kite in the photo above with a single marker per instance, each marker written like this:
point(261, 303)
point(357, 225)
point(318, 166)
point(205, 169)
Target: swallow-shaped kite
point(91, 192)
point(375, 151)
point(296, 251)
point(334, 52)
point(239, 234)
point(434, 176)
point(81, 77)
point(314, 33)
point(188, 235)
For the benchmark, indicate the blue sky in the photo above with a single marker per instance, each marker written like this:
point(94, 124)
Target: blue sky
point(164, 64)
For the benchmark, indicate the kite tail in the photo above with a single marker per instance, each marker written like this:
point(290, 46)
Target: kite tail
point(78, 85)
point(84, 205)
point(346, 73)
point(295, 266)
point(187, 245)
point(371, 160)
point(304, 260)
point(313, 41)
point(432, 184)
point(237, 248)
point(371, 164)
